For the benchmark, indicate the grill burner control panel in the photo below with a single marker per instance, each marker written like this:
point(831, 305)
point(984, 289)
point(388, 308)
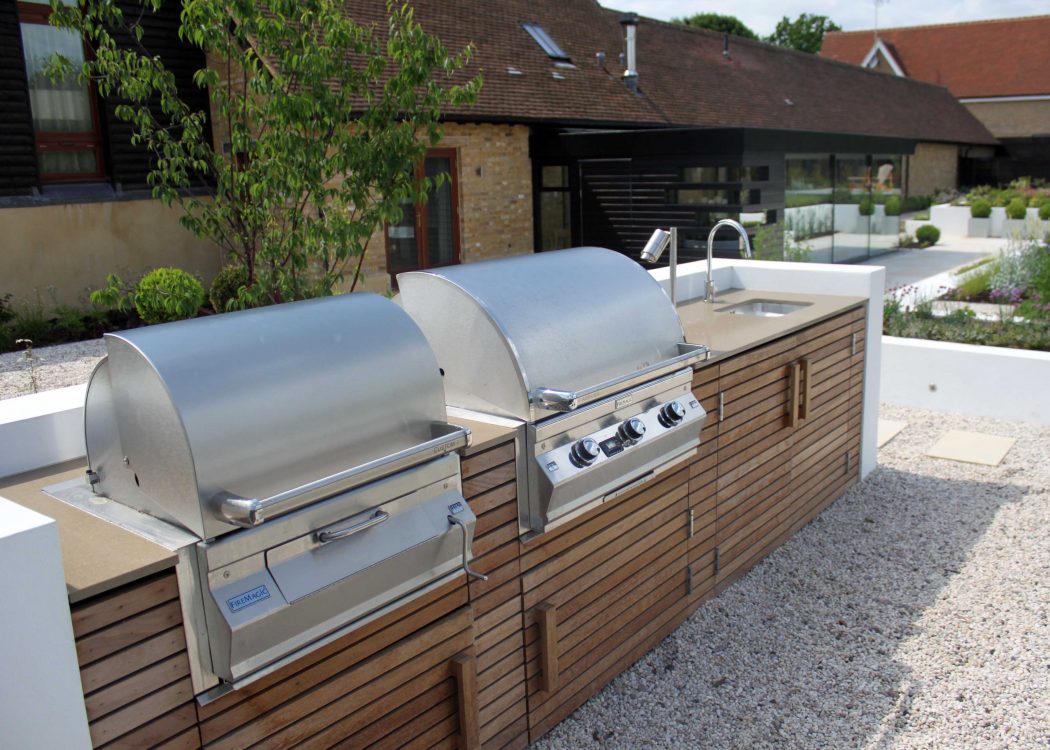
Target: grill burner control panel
point(604, 445)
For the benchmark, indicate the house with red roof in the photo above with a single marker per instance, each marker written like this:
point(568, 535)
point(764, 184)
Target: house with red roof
point(592, 127)
point(1000, 70)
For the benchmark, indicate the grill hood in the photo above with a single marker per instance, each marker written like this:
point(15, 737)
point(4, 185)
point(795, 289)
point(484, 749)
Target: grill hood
point(191, 422)
point(522, 337)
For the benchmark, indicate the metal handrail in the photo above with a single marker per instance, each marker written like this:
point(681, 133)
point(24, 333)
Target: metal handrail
point(563, 400)
point(249, 512)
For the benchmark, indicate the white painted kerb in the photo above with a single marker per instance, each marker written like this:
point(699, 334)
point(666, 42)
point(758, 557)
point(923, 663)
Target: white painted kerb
point(41, 429)
point(984, 381)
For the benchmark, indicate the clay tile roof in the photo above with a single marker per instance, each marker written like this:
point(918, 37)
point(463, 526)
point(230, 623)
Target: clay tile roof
point(684, 80)
point(1007, 57)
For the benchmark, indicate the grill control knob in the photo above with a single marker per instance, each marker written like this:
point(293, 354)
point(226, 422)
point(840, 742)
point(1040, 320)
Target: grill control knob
point(585, 451)
point(671, 414)
point(632, 429)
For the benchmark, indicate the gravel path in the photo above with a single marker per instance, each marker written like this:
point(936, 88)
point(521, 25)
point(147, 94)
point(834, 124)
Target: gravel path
point(910, 614)
point(52, 367)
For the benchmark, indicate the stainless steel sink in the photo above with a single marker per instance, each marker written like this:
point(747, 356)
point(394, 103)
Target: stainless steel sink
point(763, 308)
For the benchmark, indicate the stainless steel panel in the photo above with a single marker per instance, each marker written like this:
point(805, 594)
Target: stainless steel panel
point(265, 603)
point(254, 403)
point(566, 320)
point(558, 489)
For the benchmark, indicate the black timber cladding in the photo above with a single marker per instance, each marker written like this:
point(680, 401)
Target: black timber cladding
point(18, 176)
point(126, 165)
point(626, 183)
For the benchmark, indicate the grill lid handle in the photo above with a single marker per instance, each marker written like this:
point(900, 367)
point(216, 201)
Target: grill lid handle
point(249, 512)
point(562, 400)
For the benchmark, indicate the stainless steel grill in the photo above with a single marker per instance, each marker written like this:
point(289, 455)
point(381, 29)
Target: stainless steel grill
point(581, 345)
point(305, 448)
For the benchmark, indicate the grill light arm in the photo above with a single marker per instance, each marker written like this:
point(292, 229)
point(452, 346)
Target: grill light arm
point(466, 563)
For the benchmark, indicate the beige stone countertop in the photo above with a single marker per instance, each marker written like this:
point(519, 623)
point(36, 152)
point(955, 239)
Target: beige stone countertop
point(727, 334)
point(483, 435)
point(97, 556)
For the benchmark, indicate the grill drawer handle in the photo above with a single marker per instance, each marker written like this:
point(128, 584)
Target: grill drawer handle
point(324, 537)
point(466, 563)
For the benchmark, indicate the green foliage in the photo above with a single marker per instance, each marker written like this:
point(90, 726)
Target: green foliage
point(966, 329)
point(980, 209)
point(325, 127)
point(225, 288)
point(975, 284)
point(893, 205)
point(1016, 208)
point(1021, 265)
point(45, 324)
point(805, 33)
point(914, 203)
point(922, 216)
point(866, 206)
point(167, 294)
point(718, 22)
point(1044, 211)
point(927, 235)
point(115, 295)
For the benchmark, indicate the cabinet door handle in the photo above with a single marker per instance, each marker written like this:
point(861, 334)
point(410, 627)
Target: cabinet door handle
point(547, 619)
point(465, 670)
point(794, 389)
point(807, 388)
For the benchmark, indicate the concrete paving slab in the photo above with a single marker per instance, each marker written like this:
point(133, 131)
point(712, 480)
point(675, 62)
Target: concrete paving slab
point(972, 447)
point(888, 429)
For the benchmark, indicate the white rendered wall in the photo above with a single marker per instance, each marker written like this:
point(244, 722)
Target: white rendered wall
point(983, 381)
point(41, 429)
point(41, 700)
point(805, 278)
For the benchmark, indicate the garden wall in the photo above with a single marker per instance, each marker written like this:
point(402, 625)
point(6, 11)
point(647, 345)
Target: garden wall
point(66, 250)
point(983, 381)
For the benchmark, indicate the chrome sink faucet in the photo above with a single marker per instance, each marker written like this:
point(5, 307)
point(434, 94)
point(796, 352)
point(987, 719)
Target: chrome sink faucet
point(709, 288)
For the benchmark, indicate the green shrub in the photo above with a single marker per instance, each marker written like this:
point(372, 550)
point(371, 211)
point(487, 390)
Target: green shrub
point(927, 235)
point(893, 206)
point(224, 287)
point(1015, 209)
point(917, 203)
point(167, 294)
point(1044, 211)
point(980, 209)
point(866, 206)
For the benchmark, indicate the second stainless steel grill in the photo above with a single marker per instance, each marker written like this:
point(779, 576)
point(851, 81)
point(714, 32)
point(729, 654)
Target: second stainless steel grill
point(581, 345)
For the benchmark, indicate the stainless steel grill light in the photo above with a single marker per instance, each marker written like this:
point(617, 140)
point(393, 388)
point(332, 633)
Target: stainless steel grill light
point(654, 248)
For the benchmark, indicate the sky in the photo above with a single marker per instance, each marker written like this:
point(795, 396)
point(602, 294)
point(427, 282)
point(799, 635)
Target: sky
point(761, 16)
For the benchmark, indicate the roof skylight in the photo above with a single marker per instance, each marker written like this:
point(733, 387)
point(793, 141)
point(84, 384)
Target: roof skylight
point(543, 39)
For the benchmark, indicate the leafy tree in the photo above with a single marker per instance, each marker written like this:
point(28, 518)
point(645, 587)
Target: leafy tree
point(325, 118)
point(805, 33)
point(718, 22)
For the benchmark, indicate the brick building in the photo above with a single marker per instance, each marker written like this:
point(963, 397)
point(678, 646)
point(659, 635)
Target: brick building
point(561, 147)
point(1000, 70)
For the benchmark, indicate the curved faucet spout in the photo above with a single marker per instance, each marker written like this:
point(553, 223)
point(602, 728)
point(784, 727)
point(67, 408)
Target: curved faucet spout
point(709, 288)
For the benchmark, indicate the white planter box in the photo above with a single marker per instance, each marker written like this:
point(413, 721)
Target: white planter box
point(979, 227)
point(846, 215)
point(951, 220)
point(863, 225)
point(1015, 228)
point(998, 221)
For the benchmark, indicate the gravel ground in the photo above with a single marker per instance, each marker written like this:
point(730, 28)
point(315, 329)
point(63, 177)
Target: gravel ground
point(52, 367)
point(910, 614)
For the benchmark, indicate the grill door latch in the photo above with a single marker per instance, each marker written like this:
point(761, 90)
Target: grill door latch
point(466, 562)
